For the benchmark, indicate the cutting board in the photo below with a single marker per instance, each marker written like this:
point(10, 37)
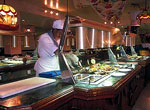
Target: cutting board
point(23, 85)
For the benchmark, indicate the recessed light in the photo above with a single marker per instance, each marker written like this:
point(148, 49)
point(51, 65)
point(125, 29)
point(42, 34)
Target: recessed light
point(57, 14)
point(45, 11)
point(51, 12)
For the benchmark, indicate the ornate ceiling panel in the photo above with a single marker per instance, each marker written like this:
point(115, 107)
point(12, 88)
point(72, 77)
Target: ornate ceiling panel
point(107, 9)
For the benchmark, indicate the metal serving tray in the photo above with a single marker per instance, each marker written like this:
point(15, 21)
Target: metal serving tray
point(94, 79)
point(80, 76)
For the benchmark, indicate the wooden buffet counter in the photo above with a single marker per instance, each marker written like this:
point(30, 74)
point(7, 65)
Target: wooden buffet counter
point(120, 94)
point(145, 66)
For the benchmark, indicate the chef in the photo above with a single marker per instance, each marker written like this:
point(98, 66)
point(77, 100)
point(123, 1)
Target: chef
point(48, 43)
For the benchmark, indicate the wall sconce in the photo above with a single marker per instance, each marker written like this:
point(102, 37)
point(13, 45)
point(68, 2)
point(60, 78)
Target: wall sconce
point(1, 41)
point(14, 41)
point(26, 41)
point(29, 29)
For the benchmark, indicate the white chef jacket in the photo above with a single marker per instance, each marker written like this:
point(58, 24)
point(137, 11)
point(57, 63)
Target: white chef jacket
point(48, 61)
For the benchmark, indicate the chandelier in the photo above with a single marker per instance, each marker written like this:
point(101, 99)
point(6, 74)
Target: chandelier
point(145, 14)
point(8, 17)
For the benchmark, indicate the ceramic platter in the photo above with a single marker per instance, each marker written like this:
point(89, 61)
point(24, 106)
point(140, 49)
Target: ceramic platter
point(118, 74)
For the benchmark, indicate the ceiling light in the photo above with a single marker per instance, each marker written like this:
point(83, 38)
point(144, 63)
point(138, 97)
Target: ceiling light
point(57, 4)
point(105, 22)
point(45, 2)
point(45, 11)
point(28, 30)
point(57, 14)
point(51, 12)
point(51, 3)
point(2, 13)
point(145, 14)
point(10, 13)
point(8, 17)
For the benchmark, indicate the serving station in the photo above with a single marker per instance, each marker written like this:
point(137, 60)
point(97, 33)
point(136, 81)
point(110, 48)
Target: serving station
point(106, 90)
point(104, 79)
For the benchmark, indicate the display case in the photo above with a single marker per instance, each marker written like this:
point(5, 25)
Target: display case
point(13, 70)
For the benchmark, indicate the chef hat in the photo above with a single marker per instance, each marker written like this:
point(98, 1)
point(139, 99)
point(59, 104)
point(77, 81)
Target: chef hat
point(58, 24)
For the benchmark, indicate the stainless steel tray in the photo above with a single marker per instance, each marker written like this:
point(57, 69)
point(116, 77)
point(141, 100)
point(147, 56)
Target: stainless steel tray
point(94, 79)
point(80, 76)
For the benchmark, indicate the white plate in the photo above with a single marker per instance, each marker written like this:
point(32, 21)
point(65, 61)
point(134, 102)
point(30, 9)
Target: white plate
point(118, 74)
point(107, 83)
point(124, 70)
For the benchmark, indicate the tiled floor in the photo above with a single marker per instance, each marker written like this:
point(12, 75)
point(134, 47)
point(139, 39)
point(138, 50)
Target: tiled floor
point(143, 102)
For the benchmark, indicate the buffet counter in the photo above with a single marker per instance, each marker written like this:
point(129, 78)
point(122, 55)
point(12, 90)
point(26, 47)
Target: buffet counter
point(144, 62)
point(113, 93)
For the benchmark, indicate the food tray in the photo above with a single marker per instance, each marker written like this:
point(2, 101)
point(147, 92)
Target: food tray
point(94, 79)
point(12, 62)
point(80, 76)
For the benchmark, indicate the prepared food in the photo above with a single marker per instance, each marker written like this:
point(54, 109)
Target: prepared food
point(12, 61)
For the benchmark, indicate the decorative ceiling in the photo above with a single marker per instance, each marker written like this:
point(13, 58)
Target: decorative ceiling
point(106, 9)
point(124, 11)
